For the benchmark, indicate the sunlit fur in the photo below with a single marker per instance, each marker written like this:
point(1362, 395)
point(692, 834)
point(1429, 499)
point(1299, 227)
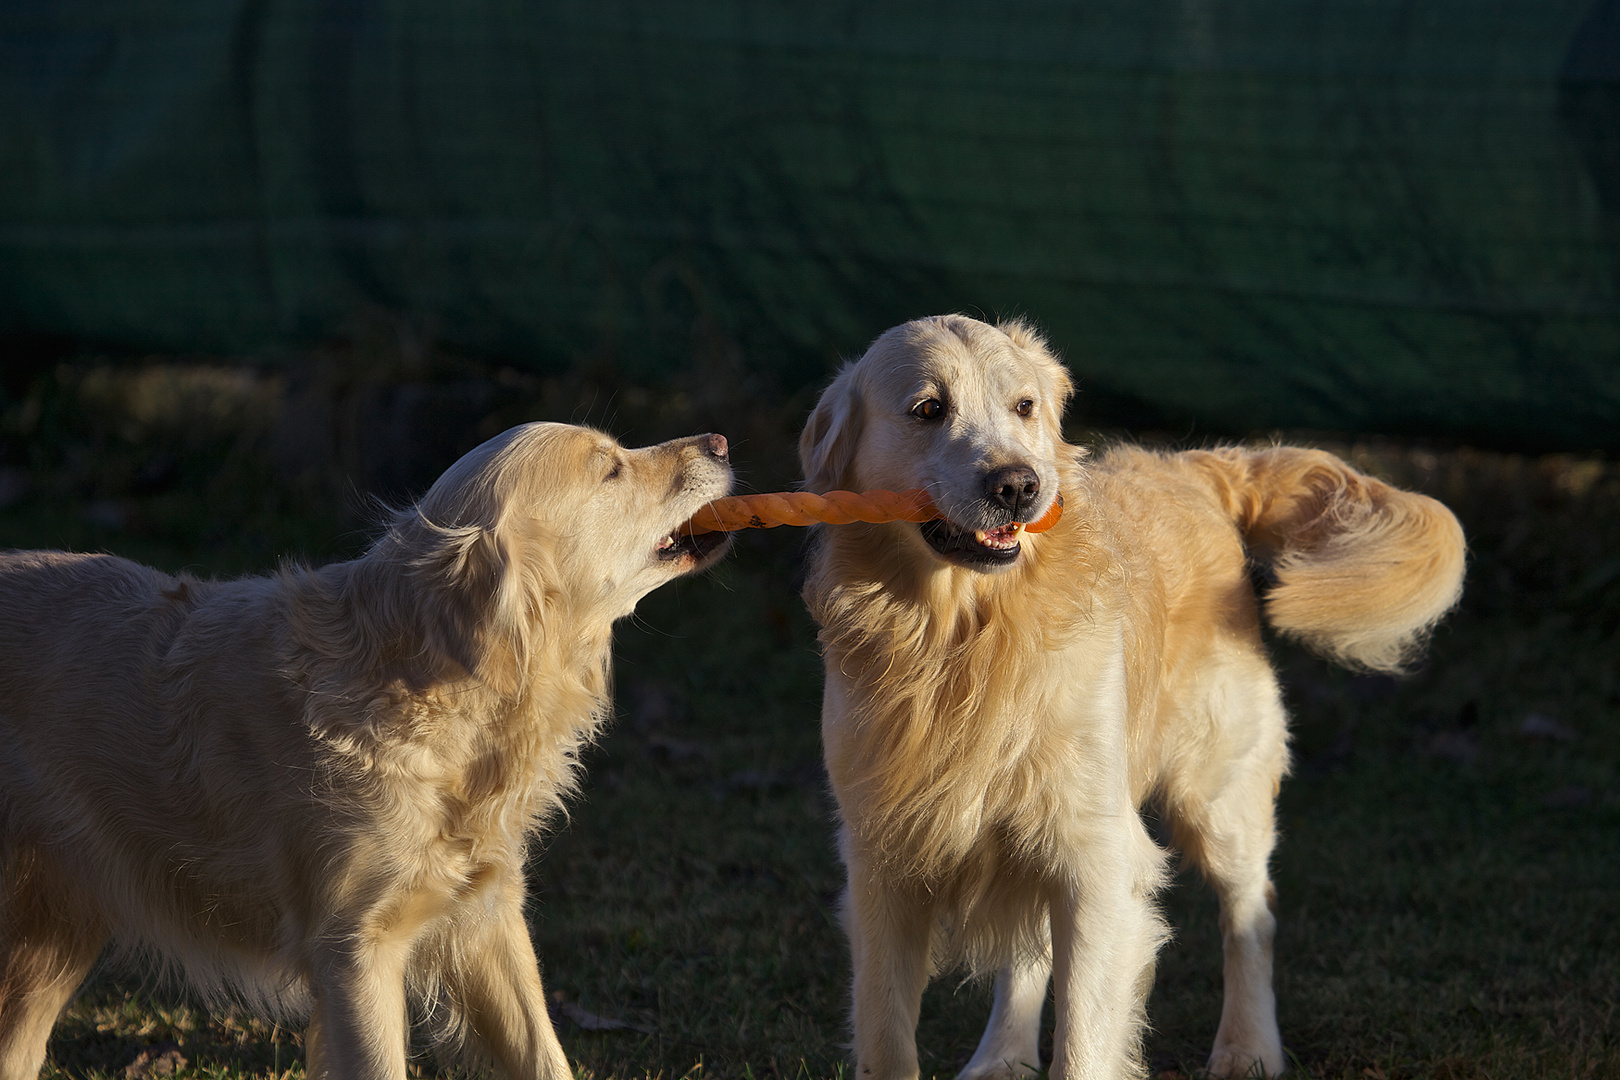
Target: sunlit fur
point(991, 733)
point(310, 791)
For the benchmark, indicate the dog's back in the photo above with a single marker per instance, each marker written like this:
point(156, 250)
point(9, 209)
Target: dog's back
point(1361, 570)
point(81, 640)
point(50, 601)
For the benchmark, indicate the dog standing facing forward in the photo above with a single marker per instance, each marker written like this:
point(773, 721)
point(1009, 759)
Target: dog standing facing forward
point(311, 790)
point(998, 705)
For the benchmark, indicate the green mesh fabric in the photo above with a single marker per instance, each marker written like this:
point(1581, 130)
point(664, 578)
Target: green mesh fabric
point(1344, 214)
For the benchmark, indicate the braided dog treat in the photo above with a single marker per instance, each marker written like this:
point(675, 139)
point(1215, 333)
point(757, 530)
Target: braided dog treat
point(833, 508)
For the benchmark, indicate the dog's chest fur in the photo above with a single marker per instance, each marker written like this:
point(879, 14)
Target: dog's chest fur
point(456, 777)
point(956, 747)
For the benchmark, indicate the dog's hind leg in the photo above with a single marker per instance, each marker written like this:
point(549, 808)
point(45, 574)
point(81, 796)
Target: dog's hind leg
point(1230, 834)
point(1011, 1045)
point(496, 977)
point(47, 947)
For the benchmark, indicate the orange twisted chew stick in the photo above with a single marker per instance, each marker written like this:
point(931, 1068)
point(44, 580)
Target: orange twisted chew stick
point(833, 508)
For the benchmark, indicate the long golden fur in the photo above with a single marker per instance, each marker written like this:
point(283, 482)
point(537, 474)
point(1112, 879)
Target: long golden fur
point(998, 707)
point(311, 790)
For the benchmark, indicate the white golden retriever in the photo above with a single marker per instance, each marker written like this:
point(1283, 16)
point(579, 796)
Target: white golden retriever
point(998, 705)
point(311, 790)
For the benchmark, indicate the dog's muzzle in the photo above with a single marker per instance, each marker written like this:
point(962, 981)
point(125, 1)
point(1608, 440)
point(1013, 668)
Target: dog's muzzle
point(1010, 495)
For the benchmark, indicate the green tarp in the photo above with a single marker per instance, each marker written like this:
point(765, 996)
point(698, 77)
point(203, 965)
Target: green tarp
point(1345, 214)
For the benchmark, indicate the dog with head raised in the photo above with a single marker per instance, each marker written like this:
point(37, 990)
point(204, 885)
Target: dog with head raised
point(312, 790)
point(999, 704)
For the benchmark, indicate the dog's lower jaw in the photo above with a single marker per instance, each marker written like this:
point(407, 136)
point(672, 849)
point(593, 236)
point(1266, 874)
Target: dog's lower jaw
point(684, 552)
point(986, 551)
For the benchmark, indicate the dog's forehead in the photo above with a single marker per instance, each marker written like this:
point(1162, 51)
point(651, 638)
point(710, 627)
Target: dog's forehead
point(563, 457)
point(996, 368)
point(587, 445)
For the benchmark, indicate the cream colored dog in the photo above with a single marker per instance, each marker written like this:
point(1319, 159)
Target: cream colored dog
point(312, 790)
point(999, 705)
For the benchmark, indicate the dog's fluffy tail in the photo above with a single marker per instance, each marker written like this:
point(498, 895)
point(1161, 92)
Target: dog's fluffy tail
point(1363, 570)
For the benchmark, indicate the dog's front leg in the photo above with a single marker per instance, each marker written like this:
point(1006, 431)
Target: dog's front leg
point(889, 932)
point(1011, 1045)
point(358, 1028)
point(1105, 933)
point(498, 979)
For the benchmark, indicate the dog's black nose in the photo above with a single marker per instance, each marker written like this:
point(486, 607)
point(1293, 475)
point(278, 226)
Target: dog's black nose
point(714, 445)
point(1013, 488)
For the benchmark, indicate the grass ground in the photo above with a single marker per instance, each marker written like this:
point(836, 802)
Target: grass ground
point(1449, 866)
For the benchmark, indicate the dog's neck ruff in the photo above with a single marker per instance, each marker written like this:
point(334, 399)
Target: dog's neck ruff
point(943, 660)
point(536, 698)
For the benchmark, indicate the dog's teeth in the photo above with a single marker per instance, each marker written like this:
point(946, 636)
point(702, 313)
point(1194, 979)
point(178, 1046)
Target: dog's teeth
point(667, 542)
point(1001, 539)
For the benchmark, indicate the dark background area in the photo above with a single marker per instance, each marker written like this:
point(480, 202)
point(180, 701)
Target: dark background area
point(1348, 215)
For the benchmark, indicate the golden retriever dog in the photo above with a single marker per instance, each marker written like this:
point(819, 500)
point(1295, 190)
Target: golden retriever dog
point(310, 791)
point(999, 705)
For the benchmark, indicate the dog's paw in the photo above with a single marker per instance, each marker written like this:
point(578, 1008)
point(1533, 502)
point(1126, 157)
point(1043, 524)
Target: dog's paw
point(975, 1070)
point(1244, 1063)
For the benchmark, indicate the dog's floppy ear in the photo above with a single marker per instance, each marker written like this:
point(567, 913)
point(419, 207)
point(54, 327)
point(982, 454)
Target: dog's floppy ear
point(457, 576)
point(436, 601)
point(827, 444)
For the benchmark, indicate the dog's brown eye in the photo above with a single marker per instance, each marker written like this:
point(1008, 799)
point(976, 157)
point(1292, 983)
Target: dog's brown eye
point(1025, 407)
point(613, 474)
point(928, 409)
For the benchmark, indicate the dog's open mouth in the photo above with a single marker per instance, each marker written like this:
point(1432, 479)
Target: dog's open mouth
point(679, 545)
point(986, 547)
